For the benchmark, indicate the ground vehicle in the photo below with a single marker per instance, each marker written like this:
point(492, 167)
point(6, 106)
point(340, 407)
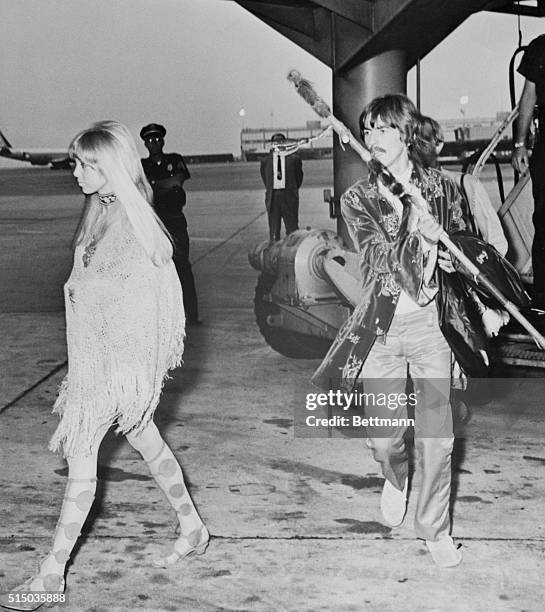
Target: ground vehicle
point(303, 294)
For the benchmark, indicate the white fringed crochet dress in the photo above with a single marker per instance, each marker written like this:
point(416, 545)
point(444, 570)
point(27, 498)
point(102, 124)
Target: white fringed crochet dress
point(125, 327)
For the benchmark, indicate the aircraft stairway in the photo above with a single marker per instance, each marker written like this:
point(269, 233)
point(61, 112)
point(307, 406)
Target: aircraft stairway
point(514, 346)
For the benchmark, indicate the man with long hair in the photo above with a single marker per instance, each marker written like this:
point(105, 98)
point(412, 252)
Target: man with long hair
point(394, 329)
point(479, 214)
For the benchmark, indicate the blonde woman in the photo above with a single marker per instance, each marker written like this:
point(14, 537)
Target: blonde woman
point(125, 330)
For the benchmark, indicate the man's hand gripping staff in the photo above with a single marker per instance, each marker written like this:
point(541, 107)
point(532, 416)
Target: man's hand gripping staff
point(427, 225)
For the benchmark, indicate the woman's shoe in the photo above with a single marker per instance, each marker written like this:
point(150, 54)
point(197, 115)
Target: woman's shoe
point(39, 585)
point(193, 544)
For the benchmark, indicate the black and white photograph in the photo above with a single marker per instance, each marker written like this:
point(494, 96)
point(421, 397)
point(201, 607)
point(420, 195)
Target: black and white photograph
point(272, 305)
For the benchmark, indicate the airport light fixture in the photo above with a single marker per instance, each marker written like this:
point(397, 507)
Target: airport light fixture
point(464, 101)
point(242, 114)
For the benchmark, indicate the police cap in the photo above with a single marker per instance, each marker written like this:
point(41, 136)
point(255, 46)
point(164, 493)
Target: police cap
point(278, 137)
point(151, 129)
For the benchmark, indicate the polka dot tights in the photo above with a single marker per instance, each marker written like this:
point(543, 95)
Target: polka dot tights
point(168, 474)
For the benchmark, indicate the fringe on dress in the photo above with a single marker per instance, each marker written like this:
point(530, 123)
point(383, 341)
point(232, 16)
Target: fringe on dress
point(125, 329)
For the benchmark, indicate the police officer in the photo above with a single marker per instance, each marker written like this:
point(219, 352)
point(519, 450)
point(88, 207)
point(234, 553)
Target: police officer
point(166, 173)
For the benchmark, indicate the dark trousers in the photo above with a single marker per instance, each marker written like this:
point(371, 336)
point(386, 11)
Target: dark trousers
point(537, 172)
point(282, 209)
point(177, 228)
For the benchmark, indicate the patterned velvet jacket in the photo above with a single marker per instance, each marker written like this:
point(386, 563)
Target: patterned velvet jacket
point(392, 259)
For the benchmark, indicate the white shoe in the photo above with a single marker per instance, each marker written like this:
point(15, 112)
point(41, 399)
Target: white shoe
point(444, 552)
point(393, 503)
point(195, 543)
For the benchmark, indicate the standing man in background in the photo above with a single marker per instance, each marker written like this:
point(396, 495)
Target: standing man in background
point(282, 176)
point(481, 218)
point(532, 68)
point(166, 173)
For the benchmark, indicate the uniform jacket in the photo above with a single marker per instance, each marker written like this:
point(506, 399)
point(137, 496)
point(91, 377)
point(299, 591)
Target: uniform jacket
point(391, 258)
point(294, 178)
point(167, 177)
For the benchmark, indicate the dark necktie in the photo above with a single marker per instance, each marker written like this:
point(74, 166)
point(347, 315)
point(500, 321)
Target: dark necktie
point(279, 168)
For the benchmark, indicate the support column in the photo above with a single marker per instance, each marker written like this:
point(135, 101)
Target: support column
point(352, 90)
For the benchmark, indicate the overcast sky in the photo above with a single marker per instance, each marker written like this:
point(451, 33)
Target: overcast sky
point(193, 64)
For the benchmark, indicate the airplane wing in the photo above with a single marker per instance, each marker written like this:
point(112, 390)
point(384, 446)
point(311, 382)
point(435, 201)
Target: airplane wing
point(37, 157)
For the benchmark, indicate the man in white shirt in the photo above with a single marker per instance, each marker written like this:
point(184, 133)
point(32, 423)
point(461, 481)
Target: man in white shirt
point(282, 176)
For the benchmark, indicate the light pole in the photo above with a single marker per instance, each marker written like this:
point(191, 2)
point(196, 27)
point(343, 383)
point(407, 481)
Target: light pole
point(242, 114)
point(464, 100)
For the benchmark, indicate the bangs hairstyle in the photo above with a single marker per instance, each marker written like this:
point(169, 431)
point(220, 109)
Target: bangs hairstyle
point(109, 147)
point(394, 110)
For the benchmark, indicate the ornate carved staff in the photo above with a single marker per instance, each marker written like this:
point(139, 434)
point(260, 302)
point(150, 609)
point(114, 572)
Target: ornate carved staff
point(306, 91)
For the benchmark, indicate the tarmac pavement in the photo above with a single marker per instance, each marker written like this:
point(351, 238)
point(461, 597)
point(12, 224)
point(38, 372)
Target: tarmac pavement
point(295, 522)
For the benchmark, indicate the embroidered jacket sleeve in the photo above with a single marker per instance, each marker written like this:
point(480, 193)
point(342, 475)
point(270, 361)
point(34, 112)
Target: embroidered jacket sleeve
point(455, 217)
point(387, 247)
point(445, 204)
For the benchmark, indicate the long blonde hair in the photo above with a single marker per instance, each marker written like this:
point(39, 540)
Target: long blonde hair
point(110, 148)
